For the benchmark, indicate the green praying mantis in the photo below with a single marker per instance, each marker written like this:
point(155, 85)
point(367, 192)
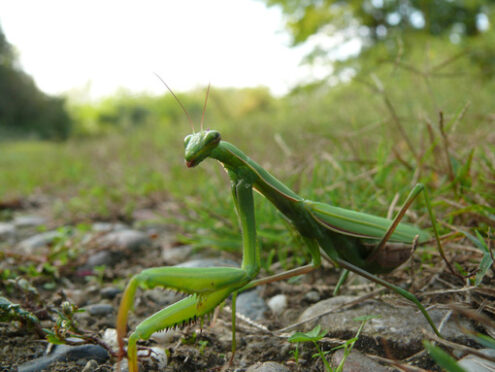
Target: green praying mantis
point(357, 242)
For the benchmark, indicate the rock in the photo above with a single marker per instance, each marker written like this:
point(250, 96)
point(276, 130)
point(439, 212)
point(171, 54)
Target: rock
point(110, 337)
point(312, 296)
point(28, 221)
point(165, 337)
point(129, 241)
point(250, 304)
point(267, 367)
point(101, 258)
point(159, 357)
point(400, 326)
point(356, 362)
point(66, 353)
point(29, 245)
point(110, 292)
point(278, 303)
point(91, 366)
point(107, 227)
point(7, 232)
point(209, 262)
point(473, 363)
point(99, 309)
point(176, 255)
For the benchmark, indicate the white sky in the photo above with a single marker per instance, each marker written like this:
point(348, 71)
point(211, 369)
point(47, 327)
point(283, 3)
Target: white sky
point(66, 44)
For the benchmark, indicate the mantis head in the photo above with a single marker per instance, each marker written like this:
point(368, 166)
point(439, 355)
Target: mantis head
point(198, 146)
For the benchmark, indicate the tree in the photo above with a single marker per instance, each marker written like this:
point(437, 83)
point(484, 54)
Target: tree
point(24, 109)
point(375, 21)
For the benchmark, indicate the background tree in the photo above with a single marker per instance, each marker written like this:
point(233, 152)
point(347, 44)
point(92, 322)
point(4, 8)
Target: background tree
point(24, 109)
point(373, 22)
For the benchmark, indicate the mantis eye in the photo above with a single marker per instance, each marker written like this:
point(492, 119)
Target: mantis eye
point(187, 139)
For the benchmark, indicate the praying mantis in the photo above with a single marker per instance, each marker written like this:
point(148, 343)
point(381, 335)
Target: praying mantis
point(357, 242)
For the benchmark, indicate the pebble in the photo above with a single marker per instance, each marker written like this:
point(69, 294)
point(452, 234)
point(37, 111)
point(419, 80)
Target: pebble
point(110, 337)
point(79, 354)
point(312, 296)
point(251, 305)
point(473, 363)
point(356, 362)
point(7, 231)
point(268, 367)
point(176, 255)
point(99, 309)
point(277, 304)
point(165, 337)
point(110, 292)
point(209, 262)
point(126, 240)
point(37, 241)
point(107, 227)
point(28, 221)
point(91, 366)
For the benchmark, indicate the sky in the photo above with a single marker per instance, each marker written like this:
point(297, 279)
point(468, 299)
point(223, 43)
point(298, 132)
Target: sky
point(93, 48)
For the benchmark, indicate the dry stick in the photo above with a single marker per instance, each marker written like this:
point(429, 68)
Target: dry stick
point(446, 147)
point(395, 118)
point(455, 345)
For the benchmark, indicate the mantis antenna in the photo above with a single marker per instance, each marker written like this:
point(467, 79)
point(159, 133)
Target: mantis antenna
point(204, 107)
point(180, 103)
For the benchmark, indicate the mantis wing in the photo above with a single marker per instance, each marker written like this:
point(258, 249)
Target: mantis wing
point(362, 225)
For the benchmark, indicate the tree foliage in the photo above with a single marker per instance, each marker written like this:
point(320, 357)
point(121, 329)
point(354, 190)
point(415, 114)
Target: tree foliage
point(24, 109)
point(375, 21)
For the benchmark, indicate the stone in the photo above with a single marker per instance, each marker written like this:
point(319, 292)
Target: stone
point(251, 305)
point(127, 240)
point(356, 362)
point(277, 304)
point(110, 292)
point(400, 326)
point(28, 221)
point(209, 262)
point(268, 367)
point(99, 309)
point(31, 244)
point(66, 353)
point(474, 363)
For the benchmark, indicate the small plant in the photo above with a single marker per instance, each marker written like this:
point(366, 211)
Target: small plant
point(316, 334)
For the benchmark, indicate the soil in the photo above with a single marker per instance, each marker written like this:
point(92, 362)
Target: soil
point(191, 348)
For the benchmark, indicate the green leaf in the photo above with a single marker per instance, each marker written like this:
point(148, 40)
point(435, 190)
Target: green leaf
point(314, 335)
point(487, 261)
point(442, 358)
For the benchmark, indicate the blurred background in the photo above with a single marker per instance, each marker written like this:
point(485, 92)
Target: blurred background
point(321, 93)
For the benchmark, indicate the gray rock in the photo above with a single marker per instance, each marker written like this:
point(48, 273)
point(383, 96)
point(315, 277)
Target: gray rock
point(65, 353)
point(209, 262)
point(107, 227)
point(28, 221)
point(29, 245)
point(129, 241)
point(473, 363)
point(7, 231)
point(101, 258)
point(91, 366)
point(278, 303)
point(99, 309)
point(400, 325)
point(176, 255)
point(357, 362)
point(268, 367)
point(110, 292)
point(251, 304)
point(312, 296)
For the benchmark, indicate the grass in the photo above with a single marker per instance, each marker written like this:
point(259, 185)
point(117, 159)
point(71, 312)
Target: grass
point(358, 145)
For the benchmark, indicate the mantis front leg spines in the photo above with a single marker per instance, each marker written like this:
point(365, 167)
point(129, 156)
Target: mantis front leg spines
point(352, 240)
